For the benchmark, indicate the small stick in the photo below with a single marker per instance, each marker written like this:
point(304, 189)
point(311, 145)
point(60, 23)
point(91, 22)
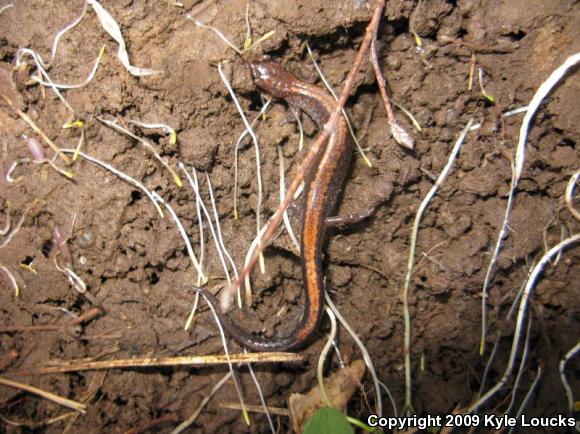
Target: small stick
point(346, 118)
point(313, 151)
point(79, 365)
point(44, 394)
point(399, 134)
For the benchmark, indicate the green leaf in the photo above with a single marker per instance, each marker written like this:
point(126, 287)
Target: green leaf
point(328, 421)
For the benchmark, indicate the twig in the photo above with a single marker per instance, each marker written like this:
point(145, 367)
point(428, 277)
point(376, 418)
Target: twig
point(46, 395)
point(80, 365)
point(401, 136)
point(382, 84)
point(346, 118)
point(411, 260)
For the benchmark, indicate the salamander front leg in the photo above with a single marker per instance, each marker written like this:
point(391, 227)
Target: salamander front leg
point(349, 219)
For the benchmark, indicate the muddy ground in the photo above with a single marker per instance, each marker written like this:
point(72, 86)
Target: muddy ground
point(135, 265)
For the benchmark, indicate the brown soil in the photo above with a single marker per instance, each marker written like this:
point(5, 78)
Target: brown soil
point(135, 264)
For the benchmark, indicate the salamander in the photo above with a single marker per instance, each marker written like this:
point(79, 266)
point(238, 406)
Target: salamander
point(322, 187)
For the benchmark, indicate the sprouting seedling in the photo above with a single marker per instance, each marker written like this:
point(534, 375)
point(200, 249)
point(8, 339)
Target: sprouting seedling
point(146, 143)
point(38, 157)
point(411, 261)
point(10, 231)
point(216, 233)
point(282, 194)
point(3, 8)
point(42, 72)
point(164, 127)
point(410, 115)
point(86, 81)
point(245, 413)
point(569, 196)
point(257, 148)
point(11, 279)
point(323, 355)
point(128, 179)
point(80, 125)
point(243, 135)
point(6, 231)
point(562, 369)
point(42, 66)
point(35, 128)
point(418, 40)
point(485, 93)
point(8, 221)
point(61, 242)
point(112, 28)
point(521, 315)
point(249, 44)
point(201, 276)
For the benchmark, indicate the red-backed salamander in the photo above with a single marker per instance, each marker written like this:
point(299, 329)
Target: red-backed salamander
point(322, 186)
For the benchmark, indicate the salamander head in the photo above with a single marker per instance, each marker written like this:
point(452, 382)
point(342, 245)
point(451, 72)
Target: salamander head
point(271, 77)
